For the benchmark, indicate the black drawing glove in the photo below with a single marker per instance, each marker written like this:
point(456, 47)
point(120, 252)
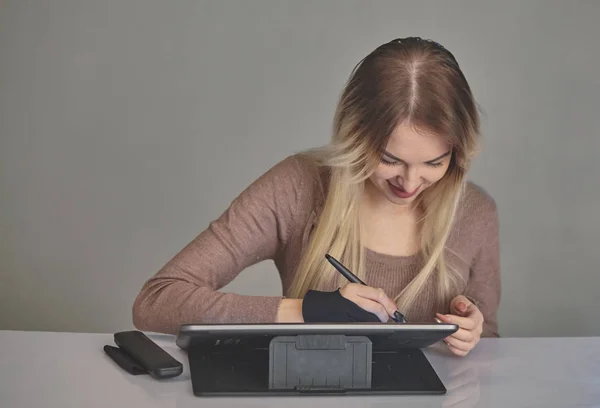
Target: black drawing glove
point(330, 307)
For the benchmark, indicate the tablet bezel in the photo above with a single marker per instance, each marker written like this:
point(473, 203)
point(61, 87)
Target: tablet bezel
point(428, 333)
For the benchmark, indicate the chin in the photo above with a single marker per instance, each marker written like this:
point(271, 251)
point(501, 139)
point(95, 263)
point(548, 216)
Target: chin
point(401, 201)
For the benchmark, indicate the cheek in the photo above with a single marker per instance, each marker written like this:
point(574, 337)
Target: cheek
point(435, 174)
point(383, 173)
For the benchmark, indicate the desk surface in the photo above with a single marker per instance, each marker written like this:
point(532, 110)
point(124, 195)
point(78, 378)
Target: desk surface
point(71, 370)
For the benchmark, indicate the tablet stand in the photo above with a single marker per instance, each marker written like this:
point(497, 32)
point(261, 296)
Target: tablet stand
point(315, 362)
point(305, 364)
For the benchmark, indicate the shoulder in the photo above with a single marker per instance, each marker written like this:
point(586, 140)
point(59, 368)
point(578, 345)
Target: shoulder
point(295, 182)
point(276, 204)
point(477, 209)
point(476, 198)
point(302, 168)
point(299, 174)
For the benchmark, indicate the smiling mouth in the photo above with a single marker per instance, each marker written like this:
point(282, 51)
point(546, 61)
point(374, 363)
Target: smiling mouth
point(401, 192)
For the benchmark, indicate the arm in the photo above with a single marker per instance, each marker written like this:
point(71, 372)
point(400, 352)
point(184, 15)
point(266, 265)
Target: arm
point(484, 286)
point(255, 227)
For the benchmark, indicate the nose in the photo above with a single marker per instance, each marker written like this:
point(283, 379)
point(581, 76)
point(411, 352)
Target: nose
point(409, 178)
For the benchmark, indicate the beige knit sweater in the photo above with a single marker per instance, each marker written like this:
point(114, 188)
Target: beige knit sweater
point(272, 219)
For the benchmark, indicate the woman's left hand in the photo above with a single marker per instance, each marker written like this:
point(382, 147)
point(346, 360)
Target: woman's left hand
point(469, 319)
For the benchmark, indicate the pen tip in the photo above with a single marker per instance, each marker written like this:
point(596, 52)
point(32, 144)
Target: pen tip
point(399, 317)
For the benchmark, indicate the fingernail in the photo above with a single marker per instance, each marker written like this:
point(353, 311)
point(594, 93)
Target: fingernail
point(461, 306)
point(444, 318)
point(438, 320)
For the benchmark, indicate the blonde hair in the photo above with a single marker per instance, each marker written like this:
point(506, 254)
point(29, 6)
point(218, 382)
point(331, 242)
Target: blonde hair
point(407, 80)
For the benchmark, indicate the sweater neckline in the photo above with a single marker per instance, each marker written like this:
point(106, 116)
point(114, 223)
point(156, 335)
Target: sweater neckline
point(392, 260)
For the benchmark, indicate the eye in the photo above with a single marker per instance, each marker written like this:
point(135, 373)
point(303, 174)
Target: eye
point(438, 164)
point(388, 162)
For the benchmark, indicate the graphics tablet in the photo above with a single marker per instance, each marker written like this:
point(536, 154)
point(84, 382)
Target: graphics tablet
point(236, 360)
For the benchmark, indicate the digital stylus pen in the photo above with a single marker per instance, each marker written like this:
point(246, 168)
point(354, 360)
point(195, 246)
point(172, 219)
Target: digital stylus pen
point(398, 317)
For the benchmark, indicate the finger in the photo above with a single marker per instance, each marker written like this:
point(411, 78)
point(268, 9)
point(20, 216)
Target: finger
point(464, 335)
point(469, 323)
point(459, 344)
point(371, 306)
point(461, 305)
point(378, 295)
point(349, 288)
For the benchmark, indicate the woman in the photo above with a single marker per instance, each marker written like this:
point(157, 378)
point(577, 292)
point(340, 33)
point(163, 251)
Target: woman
point(387, 197)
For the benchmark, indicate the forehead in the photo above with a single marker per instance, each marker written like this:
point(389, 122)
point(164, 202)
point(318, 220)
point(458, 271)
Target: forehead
point(416, 145)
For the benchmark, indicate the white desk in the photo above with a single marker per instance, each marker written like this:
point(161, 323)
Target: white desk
point(71, 370)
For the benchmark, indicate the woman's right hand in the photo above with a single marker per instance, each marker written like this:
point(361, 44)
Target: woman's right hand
point(351, 303)
point(373, 300)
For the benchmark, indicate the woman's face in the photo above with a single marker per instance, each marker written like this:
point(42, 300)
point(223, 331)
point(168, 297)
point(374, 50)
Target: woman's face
point(411, 163)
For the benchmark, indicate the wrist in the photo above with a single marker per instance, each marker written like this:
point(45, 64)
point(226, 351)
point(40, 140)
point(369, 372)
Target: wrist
point(290, 311)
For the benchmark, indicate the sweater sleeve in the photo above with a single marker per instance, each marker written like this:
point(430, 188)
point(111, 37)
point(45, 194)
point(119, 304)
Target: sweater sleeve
point(255, 227)
point(484, 286)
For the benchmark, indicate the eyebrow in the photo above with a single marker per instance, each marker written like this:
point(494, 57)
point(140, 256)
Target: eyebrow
point(391, 156)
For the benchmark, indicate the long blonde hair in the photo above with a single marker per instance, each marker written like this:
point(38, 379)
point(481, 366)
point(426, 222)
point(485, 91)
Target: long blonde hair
point(407, 80)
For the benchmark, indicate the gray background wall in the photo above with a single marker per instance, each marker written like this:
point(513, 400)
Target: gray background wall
point(126, 126)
